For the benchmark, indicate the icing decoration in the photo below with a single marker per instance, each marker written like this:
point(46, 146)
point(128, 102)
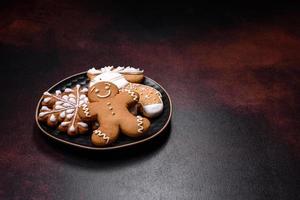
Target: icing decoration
point(153, 110)
point(82, 124)
point(128, 70)
point(70, 111)
point(107, 94)
point(52, 118)
point(65, 97)
point(94, 71)
point(68, 90)
point(110, 108)
point(84, 90)
point(46, 100)
point(57, 92)
point(103, 135)
point(65, 123)
point(60, 107)
point(44, 108)
point(69, 116)
point(65, 108)
point(62, 114)
point(132, 94)
point(71, 128)
point(82, 96)
point(114, 77)
point(120, 69)
point(139, 120)
point(58, 103)
point(72, 100)
point(86, 111)
point(42, 114)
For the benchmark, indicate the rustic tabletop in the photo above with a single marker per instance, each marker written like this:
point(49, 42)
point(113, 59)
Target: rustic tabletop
point(232, 74)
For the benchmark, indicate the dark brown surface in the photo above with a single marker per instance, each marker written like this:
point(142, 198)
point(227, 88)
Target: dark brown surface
point(232, 74)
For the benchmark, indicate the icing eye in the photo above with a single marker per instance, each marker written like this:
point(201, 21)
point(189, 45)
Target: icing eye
point(106, 87)
point(96, 90)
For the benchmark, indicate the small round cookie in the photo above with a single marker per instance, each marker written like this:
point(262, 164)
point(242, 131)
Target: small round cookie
point(109, 107)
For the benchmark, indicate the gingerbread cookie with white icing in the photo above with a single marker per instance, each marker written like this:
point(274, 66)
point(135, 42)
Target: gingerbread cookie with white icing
point(151, 103)
point(131, 74)
point(150, 99)
point(61, 110)
point(109, 107)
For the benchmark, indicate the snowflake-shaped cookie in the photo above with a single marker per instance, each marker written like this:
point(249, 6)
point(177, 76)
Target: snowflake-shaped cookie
point(61, 109)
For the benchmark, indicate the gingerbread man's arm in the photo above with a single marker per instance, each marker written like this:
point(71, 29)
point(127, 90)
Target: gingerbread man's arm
point(87, 112)
point(129, 96)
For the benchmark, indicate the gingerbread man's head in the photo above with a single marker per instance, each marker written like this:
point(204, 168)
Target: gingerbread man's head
point(102, 90)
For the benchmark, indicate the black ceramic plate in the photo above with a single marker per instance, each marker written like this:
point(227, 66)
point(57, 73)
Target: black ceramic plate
point(83, 141)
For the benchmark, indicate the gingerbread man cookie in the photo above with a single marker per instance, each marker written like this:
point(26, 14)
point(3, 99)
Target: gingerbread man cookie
point(151, 104)
point(109, 107)
point(61, 110)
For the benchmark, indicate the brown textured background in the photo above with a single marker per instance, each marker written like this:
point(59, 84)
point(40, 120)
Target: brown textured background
point(232, 73)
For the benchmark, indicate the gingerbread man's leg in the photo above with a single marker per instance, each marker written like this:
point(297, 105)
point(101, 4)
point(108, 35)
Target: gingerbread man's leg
point(106, 134)
point(134, 126)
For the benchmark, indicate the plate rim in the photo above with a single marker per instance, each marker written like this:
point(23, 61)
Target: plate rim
point(109, 147)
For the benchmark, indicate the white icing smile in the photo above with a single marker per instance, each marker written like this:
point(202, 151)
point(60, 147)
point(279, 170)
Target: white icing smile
point(107, 89)
point(105, 95)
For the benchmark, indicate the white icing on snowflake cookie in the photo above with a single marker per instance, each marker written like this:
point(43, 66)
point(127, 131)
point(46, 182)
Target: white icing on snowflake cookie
point(61, 110)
